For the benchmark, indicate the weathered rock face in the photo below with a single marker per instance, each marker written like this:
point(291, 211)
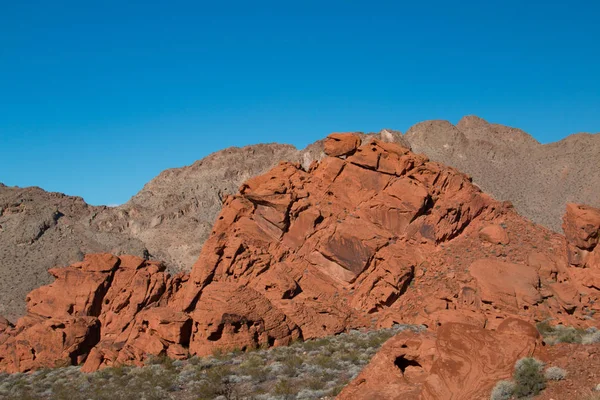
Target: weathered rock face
point(169, 219)
point(582, 229)
point(172, 216)
point(459, 361)
point(581, 225)
point(90, 304)
point(539, 179)
point(376, 236)
point(335, 245)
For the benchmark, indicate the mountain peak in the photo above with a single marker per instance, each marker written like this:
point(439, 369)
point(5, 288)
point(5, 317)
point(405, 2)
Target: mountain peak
point(476, 128)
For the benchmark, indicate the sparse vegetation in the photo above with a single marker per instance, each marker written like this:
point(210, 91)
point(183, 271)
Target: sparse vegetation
point(503, 390)
point(528, 377)
point(528, 380)
point(305, 370)
point(555, 374)
point(591, 337)
point(565, 334)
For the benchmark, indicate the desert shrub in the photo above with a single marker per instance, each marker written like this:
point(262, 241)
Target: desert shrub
point(222, 354)
point(291, 365)
point(314, 383)
point(528, 377)
point(310, 394)
point(195, 360)
point(377, 340)
point(568, 335)
point(337, 389)
point(351, 356)
point(326, 362)
point(254, 367)
point(591, 337)
point(565, 334)
point(555, 374)
point(544, 328)
point(214, 381)
point(315, 344)
point(285, 389)
point(503, 390)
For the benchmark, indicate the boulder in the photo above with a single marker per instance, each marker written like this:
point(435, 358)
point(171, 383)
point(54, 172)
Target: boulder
point(233, 317)
point(506, 285)
point(581, 225)
point(494, 234)
point(50, 343)
point(398, 370)
point(459, 361)
point(341, 144)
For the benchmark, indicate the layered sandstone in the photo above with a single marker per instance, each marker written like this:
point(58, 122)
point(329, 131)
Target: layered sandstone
point(373, 236)
point(458, 361)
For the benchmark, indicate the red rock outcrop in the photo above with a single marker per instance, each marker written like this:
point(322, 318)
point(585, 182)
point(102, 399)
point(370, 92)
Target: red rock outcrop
point(90, 305)
point(341, 144)
point(4, 324)
point(374, 237)
point(494, 234)
point(581, 225)
point(459, 361)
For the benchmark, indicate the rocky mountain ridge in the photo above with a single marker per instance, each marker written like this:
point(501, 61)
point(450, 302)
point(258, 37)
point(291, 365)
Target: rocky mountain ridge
point(171, 217)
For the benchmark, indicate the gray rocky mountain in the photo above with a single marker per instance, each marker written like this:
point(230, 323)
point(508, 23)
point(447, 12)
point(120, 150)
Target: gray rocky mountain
point(539, 179)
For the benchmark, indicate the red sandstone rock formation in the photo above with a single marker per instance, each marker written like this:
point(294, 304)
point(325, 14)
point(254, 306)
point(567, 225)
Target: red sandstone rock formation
point(581, 225)
point(459, 361)
point(374, 237)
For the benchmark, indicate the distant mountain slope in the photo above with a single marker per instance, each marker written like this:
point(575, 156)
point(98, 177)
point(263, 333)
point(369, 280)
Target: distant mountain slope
point(40, 230)
point(171, 217)
point(511, 165)
point(174, 212)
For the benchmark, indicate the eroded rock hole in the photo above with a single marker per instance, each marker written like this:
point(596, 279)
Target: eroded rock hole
point(403, 363)
point(319, 219)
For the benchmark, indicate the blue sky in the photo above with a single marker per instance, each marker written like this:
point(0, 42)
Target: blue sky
point(96, 98)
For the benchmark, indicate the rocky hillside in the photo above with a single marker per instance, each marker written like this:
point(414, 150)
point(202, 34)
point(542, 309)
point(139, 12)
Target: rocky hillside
point(171, 217)
point(369, 237)
point(511, 165)
point(168, 219)
point(40, 230)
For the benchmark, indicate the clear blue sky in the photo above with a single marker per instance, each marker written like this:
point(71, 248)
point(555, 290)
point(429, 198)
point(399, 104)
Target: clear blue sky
point(96, 98)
